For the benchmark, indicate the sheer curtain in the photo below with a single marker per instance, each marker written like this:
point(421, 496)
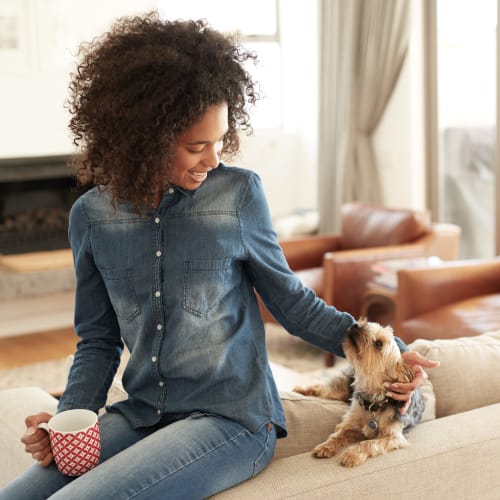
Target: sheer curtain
point(363, 46)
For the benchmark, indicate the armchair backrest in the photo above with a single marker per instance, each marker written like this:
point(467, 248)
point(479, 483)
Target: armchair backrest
point(367, 226)
point(371, 234)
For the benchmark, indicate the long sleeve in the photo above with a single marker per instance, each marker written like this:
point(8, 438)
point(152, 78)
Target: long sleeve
point(99, 349)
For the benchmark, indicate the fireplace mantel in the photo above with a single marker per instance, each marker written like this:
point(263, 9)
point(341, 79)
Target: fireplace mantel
point(34, 167)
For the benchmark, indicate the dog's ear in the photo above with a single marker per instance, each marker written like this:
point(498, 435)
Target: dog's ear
point(362, 321)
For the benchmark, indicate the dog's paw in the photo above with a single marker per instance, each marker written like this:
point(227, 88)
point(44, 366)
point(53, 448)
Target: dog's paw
point(352, 457)
point(311, 390)
point(327, 449)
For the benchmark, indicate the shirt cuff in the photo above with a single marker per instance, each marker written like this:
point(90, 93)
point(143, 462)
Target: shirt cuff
point(402, 346)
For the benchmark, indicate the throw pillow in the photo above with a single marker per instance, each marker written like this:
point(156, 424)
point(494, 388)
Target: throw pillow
point(468, 375)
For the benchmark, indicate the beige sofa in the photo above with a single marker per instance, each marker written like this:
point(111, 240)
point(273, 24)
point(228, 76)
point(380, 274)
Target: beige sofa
point(455, 453)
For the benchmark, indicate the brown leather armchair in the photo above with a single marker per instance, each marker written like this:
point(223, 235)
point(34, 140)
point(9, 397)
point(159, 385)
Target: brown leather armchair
point(338, 267)
point(457, 299)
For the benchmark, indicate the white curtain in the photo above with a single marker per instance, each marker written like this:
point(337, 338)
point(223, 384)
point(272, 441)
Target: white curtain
point(363, 46)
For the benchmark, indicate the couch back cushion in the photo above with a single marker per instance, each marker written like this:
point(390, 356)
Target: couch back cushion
point(365, 226)
point(467, 377)
point(309, 421)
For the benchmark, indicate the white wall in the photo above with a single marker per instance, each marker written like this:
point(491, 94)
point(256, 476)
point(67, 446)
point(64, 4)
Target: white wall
point(284, 163)
point(33, 120)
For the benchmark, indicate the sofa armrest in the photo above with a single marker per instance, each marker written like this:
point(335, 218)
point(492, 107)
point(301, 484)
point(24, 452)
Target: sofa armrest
point(16, 405)
point(424, 290)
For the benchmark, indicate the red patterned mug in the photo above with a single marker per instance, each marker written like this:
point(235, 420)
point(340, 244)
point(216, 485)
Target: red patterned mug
point(75, 441)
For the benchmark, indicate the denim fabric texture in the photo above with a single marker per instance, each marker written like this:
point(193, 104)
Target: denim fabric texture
point(183, 458)
point(176, 285)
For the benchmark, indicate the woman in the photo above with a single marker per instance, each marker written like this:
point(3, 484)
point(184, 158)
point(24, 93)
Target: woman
point(168, 249)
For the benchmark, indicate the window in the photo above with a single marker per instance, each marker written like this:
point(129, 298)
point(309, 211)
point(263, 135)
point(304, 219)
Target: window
point(258, 28)
point(466, 118)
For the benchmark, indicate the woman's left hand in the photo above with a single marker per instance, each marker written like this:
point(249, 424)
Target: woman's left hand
point(404, 392)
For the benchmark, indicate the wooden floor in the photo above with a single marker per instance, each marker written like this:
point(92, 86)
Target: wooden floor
point(37, 347)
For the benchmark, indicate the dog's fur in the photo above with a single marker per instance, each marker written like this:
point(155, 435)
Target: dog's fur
point(373, 421)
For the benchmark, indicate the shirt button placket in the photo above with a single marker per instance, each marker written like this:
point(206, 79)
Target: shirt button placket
point(159, 327)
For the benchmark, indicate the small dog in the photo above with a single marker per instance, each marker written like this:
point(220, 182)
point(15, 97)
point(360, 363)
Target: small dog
point(373, 420)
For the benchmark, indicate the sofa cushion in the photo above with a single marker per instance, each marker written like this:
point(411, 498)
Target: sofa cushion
point(467, 377)
point(371, 226)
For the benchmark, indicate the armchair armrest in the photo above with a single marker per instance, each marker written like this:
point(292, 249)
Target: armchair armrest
point(307, 252)
point(444, 241)
point(347, 272)
point(424, 290)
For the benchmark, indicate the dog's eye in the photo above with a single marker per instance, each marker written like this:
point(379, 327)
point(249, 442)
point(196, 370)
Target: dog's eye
point(378, 344)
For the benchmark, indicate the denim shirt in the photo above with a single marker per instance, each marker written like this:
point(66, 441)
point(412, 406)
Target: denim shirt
point(176, 285)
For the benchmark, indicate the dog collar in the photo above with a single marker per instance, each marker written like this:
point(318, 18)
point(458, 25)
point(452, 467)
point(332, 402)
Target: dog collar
point(370, 405)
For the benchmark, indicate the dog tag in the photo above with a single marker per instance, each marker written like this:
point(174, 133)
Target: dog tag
point(372, 424)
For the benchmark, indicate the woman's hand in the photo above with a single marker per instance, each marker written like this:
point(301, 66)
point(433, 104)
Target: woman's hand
point(36, 441)
point(404, 392)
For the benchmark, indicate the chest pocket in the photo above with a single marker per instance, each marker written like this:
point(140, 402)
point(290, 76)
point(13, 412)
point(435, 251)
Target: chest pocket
point(120, 285)
point(205, 283)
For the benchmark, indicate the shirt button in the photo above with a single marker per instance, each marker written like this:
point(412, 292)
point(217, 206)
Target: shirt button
point(154, 359)
point(157, 220)
point(159, 326)
point(157, 293)
point(161, 383)
point(170, 191)
point(158, 412)
point(158, 253)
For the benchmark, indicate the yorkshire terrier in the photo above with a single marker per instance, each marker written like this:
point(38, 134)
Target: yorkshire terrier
point(373, 421)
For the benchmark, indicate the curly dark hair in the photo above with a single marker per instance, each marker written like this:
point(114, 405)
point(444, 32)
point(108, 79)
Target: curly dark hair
point(138, 87)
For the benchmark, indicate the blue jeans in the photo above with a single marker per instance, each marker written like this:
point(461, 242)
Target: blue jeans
point(190, 458)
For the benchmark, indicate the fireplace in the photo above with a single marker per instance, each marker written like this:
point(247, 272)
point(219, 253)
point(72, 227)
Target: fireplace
point(36, 194)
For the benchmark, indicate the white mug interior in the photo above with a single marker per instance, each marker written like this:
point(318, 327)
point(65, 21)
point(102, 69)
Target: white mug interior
point(70, 421)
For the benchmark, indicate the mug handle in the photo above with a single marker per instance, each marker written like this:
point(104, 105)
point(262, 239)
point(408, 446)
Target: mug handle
point(44, 426)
